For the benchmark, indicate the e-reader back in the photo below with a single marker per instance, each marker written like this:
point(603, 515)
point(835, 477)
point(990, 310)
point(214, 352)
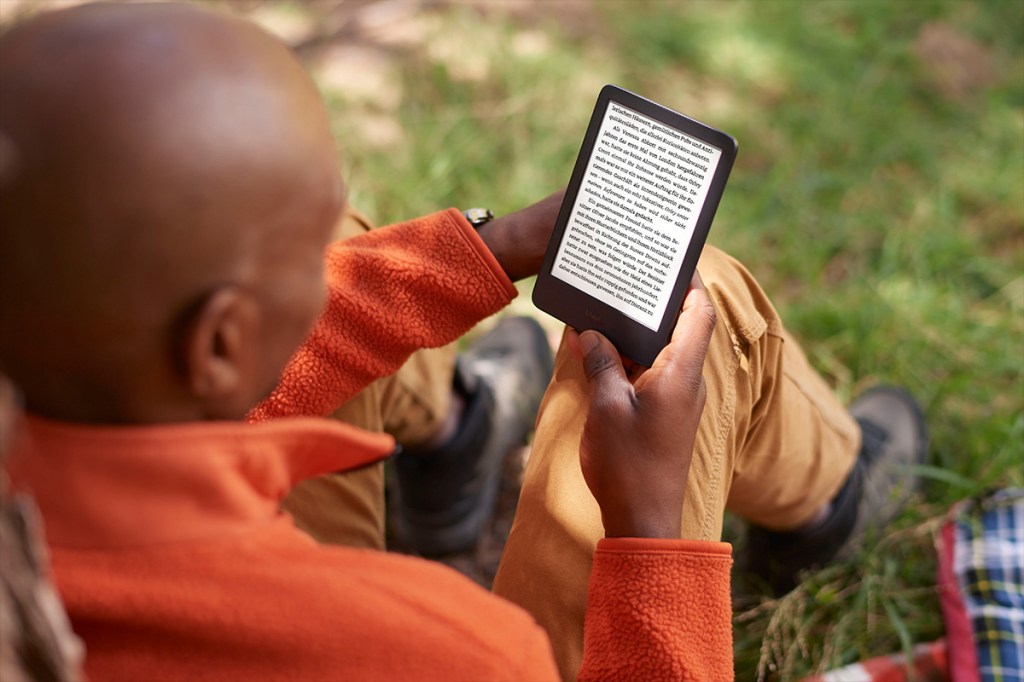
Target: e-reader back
point(636, 214)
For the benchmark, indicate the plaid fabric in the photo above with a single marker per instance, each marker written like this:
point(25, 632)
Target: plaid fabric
point(988, 563)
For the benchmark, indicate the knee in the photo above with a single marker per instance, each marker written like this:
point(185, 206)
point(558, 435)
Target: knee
point(744, 310)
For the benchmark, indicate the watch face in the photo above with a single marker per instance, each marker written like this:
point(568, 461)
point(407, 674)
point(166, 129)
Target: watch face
point(478, 216)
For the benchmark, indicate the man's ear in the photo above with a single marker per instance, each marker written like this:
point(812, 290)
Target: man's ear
point(217, 338)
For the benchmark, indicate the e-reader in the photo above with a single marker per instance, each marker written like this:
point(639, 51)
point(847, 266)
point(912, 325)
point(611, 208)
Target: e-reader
point(635, 216)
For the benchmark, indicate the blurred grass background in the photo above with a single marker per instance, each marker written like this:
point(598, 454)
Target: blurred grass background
point(878, 196)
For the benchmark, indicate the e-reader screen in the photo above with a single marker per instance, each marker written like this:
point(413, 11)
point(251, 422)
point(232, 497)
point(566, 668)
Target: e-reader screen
point(638, 202)
point(634, 219)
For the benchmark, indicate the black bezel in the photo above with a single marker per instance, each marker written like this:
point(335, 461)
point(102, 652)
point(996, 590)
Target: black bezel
point(582, 311)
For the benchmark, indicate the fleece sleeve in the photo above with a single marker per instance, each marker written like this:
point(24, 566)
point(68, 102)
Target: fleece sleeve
point(658, 610)
point(392, 291)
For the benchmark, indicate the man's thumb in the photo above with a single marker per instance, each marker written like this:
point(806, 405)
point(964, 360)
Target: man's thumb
point(601, 362)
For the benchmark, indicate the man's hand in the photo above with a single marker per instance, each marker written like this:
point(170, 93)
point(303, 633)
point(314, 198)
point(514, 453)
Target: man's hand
point(639, 434)
point(518, 240)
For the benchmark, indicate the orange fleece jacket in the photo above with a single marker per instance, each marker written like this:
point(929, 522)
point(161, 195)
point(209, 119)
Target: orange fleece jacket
point(175, 562)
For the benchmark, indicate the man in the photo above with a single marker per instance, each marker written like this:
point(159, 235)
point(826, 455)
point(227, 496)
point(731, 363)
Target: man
point(162, 258)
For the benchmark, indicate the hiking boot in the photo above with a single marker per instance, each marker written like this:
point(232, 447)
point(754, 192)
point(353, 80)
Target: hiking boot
point(447, 493)
point(893, 440)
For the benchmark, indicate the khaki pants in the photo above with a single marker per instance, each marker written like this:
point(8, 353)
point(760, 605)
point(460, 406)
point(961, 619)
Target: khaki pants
point(773, 446)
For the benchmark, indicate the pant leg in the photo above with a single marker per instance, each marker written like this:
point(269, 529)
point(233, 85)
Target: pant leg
point(770, 430)
point(416, 403)
point(348, 508)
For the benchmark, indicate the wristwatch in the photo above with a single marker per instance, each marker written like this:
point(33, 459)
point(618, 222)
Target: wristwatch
point(478, 217)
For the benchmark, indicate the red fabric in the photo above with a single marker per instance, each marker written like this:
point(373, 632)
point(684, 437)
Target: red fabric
point(929, 664)
point(175, 562)
point(963, 658)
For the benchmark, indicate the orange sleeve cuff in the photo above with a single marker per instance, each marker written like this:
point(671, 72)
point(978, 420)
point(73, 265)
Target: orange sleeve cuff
point(659, 610)
point(488, 259)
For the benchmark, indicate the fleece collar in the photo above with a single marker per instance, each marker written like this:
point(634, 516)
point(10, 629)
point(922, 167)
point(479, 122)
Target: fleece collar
point(103, 487)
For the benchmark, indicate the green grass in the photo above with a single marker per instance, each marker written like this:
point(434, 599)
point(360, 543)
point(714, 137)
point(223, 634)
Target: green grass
point(878, 196)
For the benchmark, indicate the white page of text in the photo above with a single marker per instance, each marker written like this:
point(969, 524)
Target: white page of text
point(633, 219)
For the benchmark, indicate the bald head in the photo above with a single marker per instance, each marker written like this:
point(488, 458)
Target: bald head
point(157, 156)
